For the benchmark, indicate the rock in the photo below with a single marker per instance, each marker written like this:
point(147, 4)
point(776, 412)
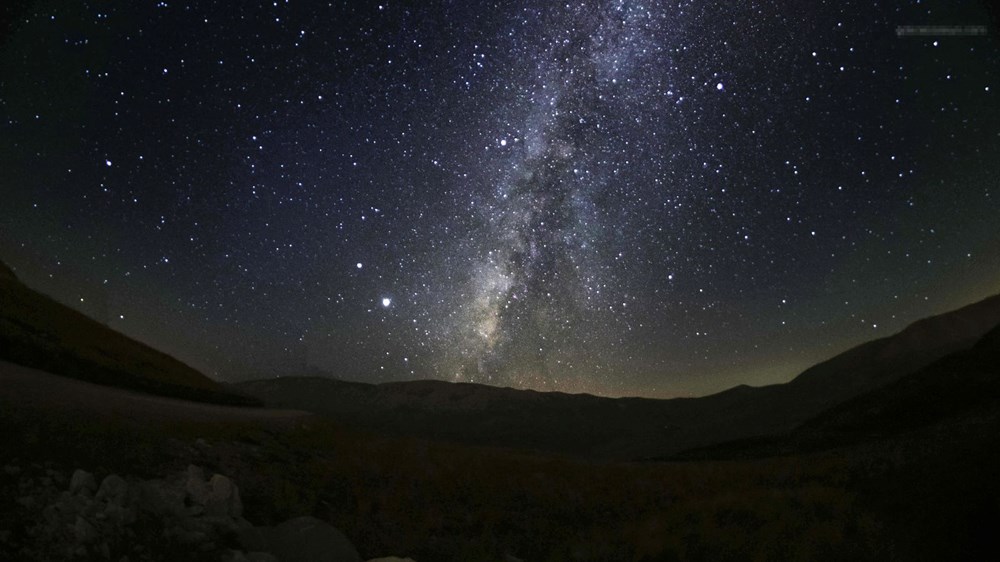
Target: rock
point(160, 498)
point(191, 537)
point(66, 507)
point(256, 538)
point(55, 476)
point(195, 486)
point(114, 489)
point(119, 514)
point(51, 515)
point(240, 525)
point(302, 539)
point(11, 470)
point(392, 559)
point(79, 518)
point(223, 498)
point(210, 526)
point(83, 530)
point(184, 536)
point(82, 481)
point(27, 501)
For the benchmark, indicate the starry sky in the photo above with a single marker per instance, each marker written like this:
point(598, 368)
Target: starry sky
point(623, 198)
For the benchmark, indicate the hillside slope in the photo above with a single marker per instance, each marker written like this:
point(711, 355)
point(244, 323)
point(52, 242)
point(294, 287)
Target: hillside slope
point(41, 333)
point(961, 388)
point(965, 383)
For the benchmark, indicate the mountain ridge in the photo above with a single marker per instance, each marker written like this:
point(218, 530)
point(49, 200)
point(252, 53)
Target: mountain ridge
point(629, 427)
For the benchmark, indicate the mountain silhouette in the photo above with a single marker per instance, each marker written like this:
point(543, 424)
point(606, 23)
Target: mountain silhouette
point(629, 428)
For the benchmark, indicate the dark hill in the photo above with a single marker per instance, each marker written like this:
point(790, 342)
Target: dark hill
point(923, 450)
point(38, 332)
point(960, 388)
point(965, 383)
point(629, 427)
point(879, 362)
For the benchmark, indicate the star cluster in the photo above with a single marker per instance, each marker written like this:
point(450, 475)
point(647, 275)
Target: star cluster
point(606, 196)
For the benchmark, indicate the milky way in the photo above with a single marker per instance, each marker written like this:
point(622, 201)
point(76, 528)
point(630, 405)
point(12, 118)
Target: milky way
point(538, 282)
point(604, 196)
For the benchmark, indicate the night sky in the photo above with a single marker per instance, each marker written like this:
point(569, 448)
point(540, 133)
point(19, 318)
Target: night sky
point(623, 198)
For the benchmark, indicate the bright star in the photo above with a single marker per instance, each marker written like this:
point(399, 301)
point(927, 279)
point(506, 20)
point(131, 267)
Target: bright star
point(386, 301)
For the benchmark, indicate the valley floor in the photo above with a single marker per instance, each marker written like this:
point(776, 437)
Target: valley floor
point(928, 495)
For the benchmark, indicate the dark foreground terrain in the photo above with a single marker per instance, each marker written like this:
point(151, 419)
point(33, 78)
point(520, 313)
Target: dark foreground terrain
point(927, 494)
point(900, 467)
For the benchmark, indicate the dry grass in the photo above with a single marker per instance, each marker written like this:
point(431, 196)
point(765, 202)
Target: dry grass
point(442, 502)
point(434, 501)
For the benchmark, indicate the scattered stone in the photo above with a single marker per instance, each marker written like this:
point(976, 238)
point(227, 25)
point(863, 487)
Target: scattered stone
point(161, 499)
point(83, 530)
point(195, 485)
point(223, 498)
point(11, 470)
point(82, 481)
point(190, 537)
point(120, 515)
point(196, 510)
point(392, 559)
point(50, 514)
point(55, 476)
point(27, 501)
point(114, 489)
point(89, 521)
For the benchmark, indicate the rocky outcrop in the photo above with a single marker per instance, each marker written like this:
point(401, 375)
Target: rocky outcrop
point(129, 517)
point(188, 515)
